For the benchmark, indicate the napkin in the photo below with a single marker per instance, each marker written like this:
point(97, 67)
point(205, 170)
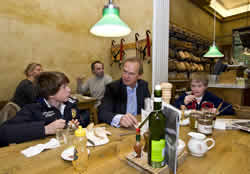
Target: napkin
point(220, 124)
point(98, 135)
point(34, 150)
point(184, 122)
point(224, 124)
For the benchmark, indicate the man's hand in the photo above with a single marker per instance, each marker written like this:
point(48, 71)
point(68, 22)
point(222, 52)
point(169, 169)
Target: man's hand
point(51, 128)
point(128, 120)
point(80, 78)
point(188, 99)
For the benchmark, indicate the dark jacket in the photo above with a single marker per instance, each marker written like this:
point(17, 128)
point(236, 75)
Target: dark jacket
point(25, 93)
point(115, 99)
point(29, 122)
point(209, 100)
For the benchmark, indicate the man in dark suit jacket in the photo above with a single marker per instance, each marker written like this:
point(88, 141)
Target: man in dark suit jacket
point(124, 98)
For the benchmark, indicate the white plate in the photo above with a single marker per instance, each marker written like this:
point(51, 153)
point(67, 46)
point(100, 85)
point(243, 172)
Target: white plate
point(68, 153)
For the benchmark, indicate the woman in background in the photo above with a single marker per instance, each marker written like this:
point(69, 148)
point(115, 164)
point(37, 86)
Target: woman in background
point(199, 98)
point(25, 92)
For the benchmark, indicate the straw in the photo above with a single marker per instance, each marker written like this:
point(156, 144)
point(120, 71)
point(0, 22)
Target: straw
point(224, 109)
point(218, 109)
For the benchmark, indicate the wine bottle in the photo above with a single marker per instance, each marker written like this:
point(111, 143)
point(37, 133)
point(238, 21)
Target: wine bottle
point(157, 124)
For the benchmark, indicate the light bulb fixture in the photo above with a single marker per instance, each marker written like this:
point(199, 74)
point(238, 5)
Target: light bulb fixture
point(246, 52)
point(213, 51)
point(110, 25)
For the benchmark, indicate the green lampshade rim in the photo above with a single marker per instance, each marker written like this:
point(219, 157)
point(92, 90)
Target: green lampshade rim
point(213, 52)
point(111, 20)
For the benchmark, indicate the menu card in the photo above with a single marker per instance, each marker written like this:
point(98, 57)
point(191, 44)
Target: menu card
point(172, 115)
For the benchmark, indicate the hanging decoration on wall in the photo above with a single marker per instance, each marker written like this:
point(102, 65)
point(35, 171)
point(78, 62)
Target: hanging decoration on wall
point(113, 53)
point(148, 57)
point(142, 48)
point(117, 54)
point(146, 49)
point(122, 52)
point(137, 48)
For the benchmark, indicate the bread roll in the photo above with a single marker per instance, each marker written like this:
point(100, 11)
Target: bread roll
point(180, 66)
point(182, 55)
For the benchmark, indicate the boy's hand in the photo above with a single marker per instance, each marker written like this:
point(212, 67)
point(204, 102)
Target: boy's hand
point(74, 123)
point(188, 99)
point(51, 128)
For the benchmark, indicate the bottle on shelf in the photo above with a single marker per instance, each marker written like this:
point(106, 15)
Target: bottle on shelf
point(157, 124)
point(138, 145)
point(80, 161)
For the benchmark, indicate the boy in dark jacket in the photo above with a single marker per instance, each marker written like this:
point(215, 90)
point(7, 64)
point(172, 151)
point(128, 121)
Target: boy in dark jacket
point(51, 112)
point(200, 98)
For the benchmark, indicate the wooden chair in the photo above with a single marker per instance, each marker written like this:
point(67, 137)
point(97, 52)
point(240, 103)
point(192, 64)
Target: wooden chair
point(8, 112)
point(3, 103)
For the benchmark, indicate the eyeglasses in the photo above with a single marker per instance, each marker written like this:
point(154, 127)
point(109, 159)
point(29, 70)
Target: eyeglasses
point(129, 73)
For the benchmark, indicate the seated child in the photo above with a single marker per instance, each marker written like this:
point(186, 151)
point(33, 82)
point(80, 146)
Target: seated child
point(54, 109)
point(200, 98)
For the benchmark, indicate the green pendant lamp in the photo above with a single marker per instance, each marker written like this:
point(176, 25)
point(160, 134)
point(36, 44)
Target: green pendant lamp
point(110, 25)
point(213, 51)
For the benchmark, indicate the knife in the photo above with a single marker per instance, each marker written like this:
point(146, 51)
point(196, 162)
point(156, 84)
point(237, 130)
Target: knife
point(91, 142)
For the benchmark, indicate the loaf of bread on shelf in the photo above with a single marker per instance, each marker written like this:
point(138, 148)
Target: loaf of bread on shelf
point(186, 54)
point(181, 76)
point(172, 65)
point(202, 67)
point(180, 66)
point(182, 55)
point(188, 66)
point(196, 67)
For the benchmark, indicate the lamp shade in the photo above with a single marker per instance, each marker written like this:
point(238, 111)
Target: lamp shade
point(213, 52)
point(110, 25)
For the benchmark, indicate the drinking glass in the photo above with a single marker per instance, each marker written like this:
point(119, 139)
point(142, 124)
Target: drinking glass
point(61, 136)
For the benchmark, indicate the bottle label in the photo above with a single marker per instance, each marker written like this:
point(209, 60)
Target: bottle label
point(75, 154)
point(206, 129)
point(158, 150)
point(157, 99)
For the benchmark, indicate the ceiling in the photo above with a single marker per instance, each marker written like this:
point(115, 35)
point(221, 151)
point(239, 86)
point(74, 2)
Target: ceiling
point(230, 4)
point(225, 8)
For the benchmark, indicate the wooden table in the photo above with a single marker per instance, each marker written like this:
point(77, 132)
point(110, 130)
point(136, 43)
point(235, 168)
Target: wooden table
point(85, 102)
point(229, 156)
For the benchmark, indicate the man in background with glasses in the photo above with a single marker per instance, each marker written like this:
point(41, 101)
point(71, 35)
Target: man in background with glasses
point(124, 98)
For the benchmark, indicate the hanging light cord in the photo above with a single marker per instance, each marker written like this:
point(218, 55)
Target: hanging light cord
point(247, 11)
point(214, 24)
